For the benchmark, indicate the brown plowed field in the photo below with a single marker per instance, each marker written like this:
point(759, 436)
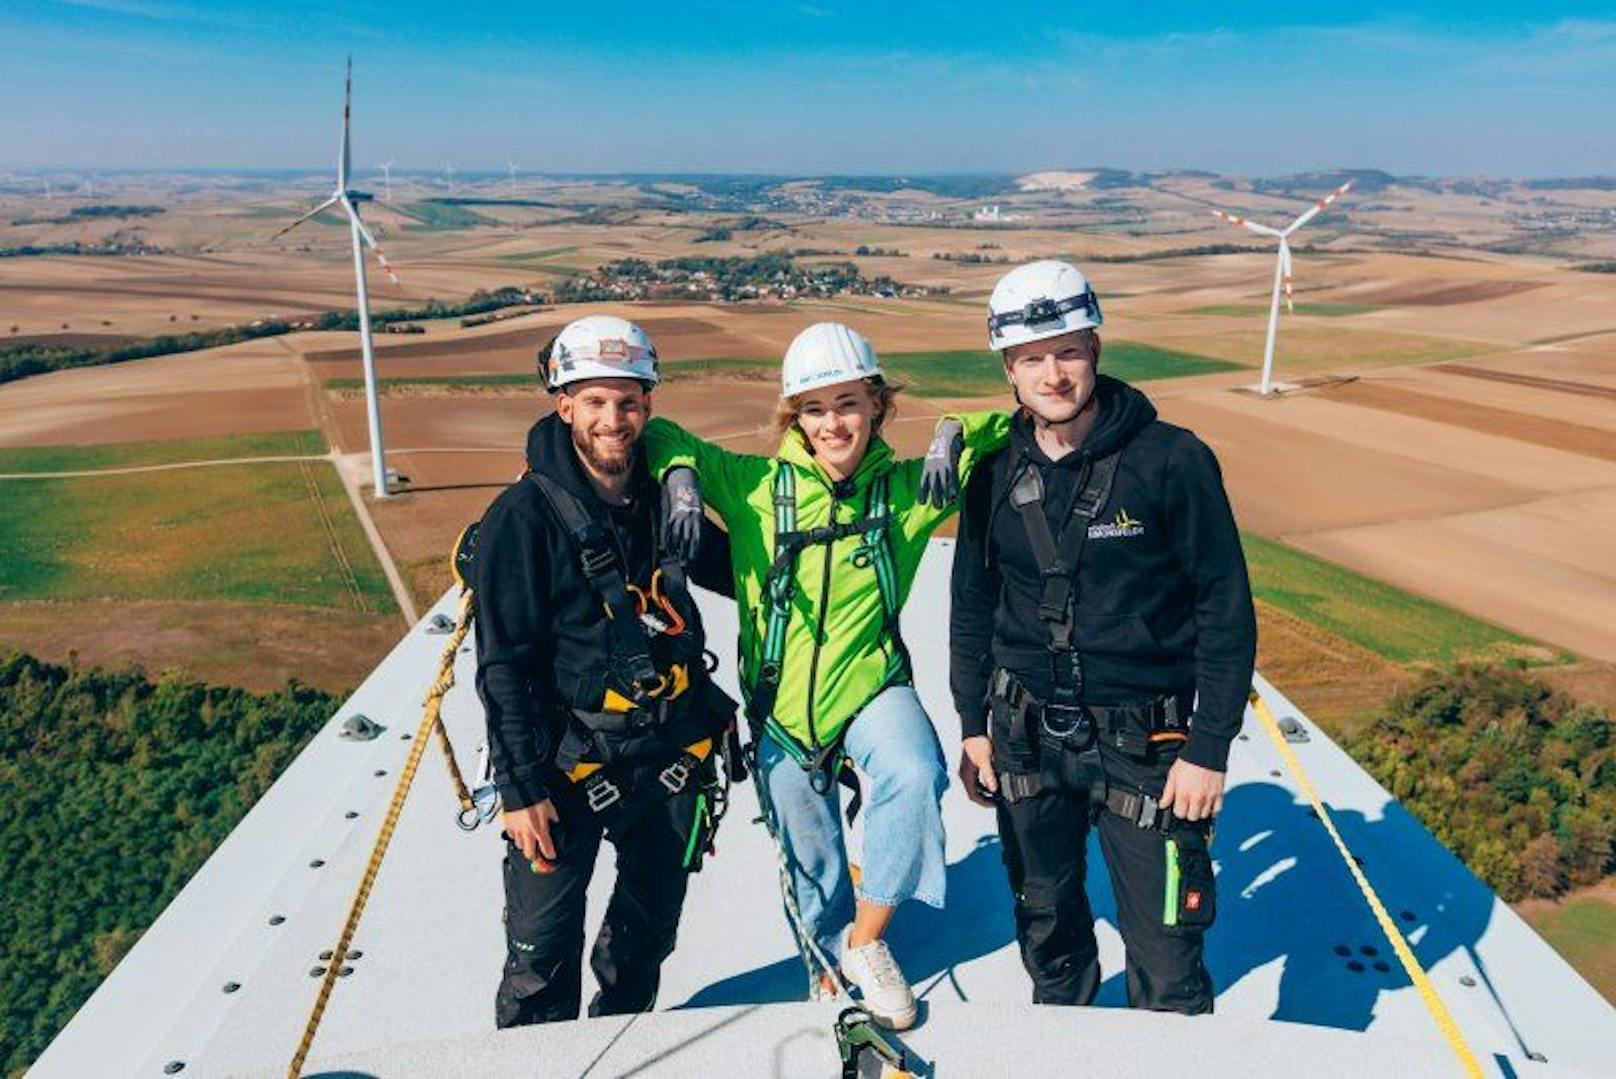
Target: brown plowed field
point(1500, 422)
point(1430, 294)
point(253, 645)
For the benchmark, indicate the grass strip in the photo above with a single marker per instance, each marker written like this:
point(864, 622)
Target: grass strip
point(1384, 619)
point(163, 452)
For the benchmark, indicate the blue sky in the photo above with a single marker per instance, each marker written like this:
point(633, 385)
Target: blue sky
point(817, 86)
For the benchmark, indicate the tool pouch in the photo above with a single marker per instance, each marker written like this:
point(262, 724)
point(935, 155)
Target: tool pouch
point(1189, 895)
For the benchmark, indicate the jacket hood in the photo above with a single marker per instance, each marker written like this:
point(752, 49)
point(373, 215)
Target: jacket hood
point(550, 451)
point(1124, 412)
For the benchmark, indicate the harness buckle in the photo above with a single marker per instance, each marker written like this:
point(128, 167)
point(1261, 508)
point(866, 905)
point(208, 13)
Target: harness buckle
point(675, 776)
point(596, 560)
point(1065, 720)
point(602, 794)
point(1148, 810)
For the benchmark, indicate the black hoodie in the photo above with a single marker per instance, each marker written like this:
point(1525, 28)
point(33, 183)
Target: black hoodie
point(542, 645)
point(1163, 605)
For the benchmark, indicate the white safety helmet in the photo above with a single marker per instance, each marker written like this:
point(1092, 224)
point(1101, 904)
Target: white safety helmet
point(824, 354)
point(599, 346)
point(1041, 299)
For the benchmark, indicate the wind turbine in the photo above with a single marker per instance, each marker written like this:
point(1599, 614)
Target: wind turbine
point(512, 166)
point(448, 176)
point(347, 198)
point(387, 178)
point(1282, 270)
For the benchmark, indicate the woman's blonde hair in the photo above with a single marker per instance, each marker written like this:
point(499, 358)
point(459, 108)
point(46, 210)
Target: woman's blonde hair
point(886, 404)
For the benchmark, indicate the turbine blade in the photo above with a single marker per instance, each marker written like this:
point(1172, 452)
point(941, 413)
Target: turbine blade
point(345, 163)
point(1317, 208)
point(316, 212)
point(1285, 273)
point(1261, 230)
point(370, 241)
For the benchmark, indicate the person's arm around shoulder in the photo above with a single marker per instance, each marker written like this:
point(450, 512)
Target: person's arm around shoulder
point(1207, 543)
point(974, 595)
point(725, 478)
point(927, 488)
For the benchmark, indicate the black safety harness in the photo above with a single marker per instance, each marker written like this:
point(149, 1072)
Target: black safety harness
point(639, 701)
point(1042, 732)
point(824, 763)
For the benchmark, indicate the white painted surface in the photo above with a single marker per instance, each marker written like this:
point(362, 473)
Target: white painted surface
point(421, 995)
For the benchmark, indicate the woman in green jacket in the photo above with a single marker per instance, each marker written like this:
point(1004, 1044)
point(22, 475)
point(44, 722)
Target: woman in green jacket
point(825, 539)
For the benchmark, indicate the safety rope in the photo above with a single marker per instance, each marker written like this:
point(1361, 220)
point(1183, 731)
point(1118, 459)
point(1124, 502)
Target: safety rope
point(433, 716)
point(1416, 973)
point(807, 947)
point(467, 804)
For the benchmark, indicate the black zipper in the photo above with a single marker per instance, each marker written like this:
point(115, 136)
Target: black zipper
point(819, 631)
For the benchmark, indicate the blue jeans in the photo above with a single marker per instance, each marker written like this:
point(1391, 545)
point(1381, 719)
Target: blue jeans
point(895, 747)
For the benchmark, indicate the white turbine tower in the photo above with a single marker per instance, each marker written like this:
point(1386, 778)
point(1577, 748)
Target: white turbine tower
point(387, 180)
point(346, 198)
point(1282, 270)
point(512, 166)
point(448, 176)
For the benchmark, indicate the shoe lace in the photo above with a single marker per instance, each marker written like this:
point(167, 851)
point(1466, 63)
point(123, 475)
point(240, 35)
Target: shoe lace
point(883, 968)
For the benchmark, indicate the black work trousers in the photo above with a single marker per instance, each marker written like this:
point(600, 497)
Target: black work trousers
point(1162, 881)
point(544, 913)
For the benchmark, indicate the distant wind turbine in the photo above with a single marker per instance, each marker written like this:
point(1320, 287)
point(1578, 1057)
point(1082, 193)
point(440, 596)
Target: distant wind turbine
point(512, 165)
point(387, 179)
point(347, 198)
point(448, 176)
point(1282, 270)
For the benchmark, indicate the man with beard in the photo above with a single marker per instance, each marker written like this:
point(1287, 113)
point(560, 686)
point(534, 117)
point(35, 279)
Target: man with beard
point(602, 718)
point(1102, 646)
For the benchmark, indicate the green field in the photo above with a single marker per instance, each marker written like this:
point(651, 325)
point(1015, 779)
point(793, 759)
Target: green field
point(443, 217)
point(972, 372)
point(267, 533)
point(538, 256)
point(1584, 932)
point(1329, 310)
point(1386, 620)
point(449, 382)
point(171, 451)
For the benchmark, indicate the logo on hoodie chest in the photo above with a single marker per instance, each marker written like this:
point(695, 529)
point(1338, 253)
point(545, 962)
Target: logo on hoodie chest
point(1120, 527)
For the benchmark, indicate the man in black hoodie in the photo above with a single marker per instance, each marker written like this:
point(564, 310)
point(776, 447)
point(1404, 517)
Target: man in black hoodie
point(590, 666)
point(1102, 646)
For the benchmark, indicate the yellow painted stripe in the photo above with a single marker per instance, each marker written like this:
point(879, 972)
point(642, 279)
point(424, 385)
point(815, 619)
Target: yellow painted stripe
point(1416, 973)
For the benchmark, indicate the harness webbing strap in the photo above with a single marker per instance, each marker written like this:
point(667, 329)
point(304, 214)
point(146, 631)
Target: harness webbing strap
point(597, 556)
point(1059, 560)
point(1405, 955)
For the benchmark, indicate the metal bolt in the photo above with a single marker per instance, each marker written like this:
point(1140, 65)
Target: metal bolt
point(325, 955)
point(1342, 950)
point(1243, 737)
point(1407, 915)
point(1355, 966)
point(1274, 772)
point(1367, 949)
point(174, 1067)
point(317, 972)
point(381, 771)
point(405, 737)
point(343, 972)
point(1382, 966)
point(351, 814)
point(276, 919)
point(231, 987)
point(1467, 981)
point(317, 863)
point(356, 955)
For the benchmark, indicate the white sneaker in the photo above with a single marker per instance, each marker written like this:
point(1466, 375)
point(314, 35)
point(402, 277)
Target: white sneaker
point(884, 989)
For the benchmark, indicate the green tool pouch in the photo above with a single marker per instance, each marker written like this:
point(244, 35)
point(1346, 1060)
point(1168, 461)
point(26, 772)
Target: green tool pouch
point(1190, 898)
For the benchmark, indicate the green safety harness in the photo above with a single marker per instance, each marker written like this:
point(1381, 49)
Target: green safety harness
point(824, 763)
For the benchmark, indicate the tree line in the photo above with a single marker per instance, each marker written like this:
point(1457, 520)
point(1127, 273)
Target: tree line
point(1516, 778)
point(116, 788)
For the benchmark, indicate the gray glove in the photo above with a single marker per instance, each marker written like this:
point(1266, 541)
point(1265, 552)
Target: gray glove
point(939, 480)
point(682, 511)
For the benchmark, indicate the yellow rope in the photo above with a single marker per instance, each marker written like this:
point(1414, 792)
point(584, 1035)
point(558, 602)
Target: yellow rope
point(434, 708)
point(1416, 974)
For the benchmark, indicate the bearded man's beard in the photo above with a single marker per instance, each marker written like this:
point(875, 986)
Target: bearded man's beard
point(605, 464)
